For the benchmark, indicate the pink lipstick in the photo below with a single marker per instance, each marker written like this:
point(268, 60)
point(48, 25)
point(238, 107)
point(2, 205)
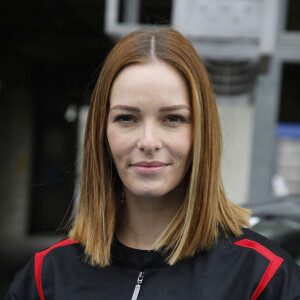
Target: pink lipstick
point(152, 167)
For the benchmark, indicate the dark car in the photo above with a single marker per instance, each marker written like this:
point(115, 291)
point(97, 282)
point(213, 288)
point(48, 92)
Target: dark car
point(279, 221)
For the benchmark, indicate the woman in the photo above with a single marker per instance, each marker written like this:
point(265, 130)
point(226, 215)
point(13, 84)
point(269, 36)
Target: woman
point(153, 220)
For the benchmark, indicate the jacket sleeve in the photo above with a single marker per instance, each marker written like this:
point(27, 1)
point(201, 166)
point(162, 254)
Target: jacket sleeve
point(286, 283)
point(24, 285)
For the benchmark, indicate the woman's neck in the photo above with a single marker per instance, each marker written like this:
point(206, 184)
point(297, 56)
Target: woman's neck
point(142, 220)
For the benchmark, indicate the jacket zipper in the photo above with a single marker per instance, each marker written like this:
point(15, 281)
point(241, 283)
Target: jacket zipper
point(138, 285)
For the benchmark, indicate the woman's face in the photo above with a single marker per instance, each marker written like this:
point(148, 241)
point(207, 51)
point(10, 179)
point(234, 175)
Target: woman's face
point(149, 128)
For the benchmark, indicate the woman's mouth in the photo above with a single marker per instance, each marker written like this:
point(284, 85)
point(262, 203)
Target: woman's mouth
point(152, 167)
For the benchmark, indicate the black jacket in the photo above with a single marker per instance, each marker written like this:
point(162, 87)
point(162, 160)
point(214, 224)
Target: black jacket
point(248, 267)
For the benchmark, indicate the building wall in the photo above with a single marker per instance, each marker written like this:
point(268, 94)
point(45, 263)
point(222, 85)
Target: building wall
point(236, 114)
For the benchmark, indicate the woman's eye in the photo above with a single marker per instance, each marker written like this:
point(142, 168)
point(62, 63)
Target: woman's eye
point(124, 118)
point(175, 119)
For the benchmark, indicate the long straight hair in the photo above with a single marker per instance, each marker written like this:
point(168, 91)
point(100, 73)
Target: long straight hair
point(206, 211)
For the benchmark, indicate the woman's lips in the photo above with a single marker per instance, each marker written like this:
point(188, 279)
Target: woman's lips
point(153, 167)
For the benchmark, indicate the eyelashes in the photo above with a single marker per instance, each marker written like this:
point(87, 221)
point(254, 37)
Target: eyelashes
point(173, 118)
point(124, 118)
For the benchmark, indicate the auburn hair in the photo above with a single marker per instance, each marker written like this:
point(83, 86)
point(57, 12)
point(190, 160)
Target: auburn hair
point(205, 212)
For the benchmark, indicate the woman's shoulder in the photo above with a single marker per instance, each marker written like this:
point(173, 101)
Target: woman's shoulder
point(258, 257)
point(27, 283)
point(65, 249)
point(250, 241)
point(255, 246)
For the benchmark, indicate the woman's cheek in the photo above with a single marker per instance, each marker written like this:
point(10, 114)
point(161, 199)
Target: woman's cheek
point(120, 145)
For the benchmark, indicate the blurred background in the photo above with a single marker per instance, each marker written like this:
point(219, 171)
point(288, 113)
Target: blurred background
point(51, 54)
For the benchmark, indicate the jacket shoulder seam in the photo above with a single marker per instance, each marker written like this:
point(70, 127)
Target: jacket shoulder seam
point(38, 262)
point(274, 263)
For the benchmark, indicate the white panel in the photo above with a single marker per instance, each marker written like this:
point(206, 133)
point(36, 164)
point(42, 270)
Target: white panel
point(221, 19)
point(269, 26)
point(236, 115)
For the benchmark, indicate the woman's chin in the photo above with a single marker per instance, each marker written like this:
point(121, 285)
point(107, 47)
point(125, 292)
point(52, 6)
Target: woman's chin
point(153, 193)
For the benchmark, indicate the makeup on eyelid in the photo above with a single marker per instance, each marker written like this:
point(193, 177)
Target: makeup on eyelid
point(170, 118)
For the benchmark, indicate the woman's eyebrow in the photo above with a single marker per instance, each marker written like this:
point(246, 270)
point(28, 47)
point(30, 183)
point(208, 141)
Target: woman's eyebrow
point(162, 109)
point(125, 107)
point(174, 107)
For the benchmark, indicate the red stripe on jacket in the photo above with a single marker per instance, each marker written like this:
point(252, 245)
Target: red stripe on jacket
point(274, 264)
point(38, 262)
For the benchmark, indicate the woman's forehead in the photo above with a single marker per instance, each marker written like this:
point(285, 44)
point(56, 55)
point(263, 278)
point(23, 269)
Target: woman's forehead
point(157, 81)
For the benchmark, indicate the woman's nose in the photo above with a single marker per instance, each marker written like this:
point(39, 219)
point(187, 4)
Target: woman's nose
point(149, 140)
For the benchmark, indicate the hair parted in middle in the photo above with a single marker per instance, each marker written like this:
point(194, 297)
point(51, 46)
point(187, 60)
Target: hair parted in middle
point(205, 211)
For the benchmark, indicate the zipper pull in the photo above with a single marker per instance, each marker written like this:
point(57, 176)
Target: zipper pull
point(138, 285)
